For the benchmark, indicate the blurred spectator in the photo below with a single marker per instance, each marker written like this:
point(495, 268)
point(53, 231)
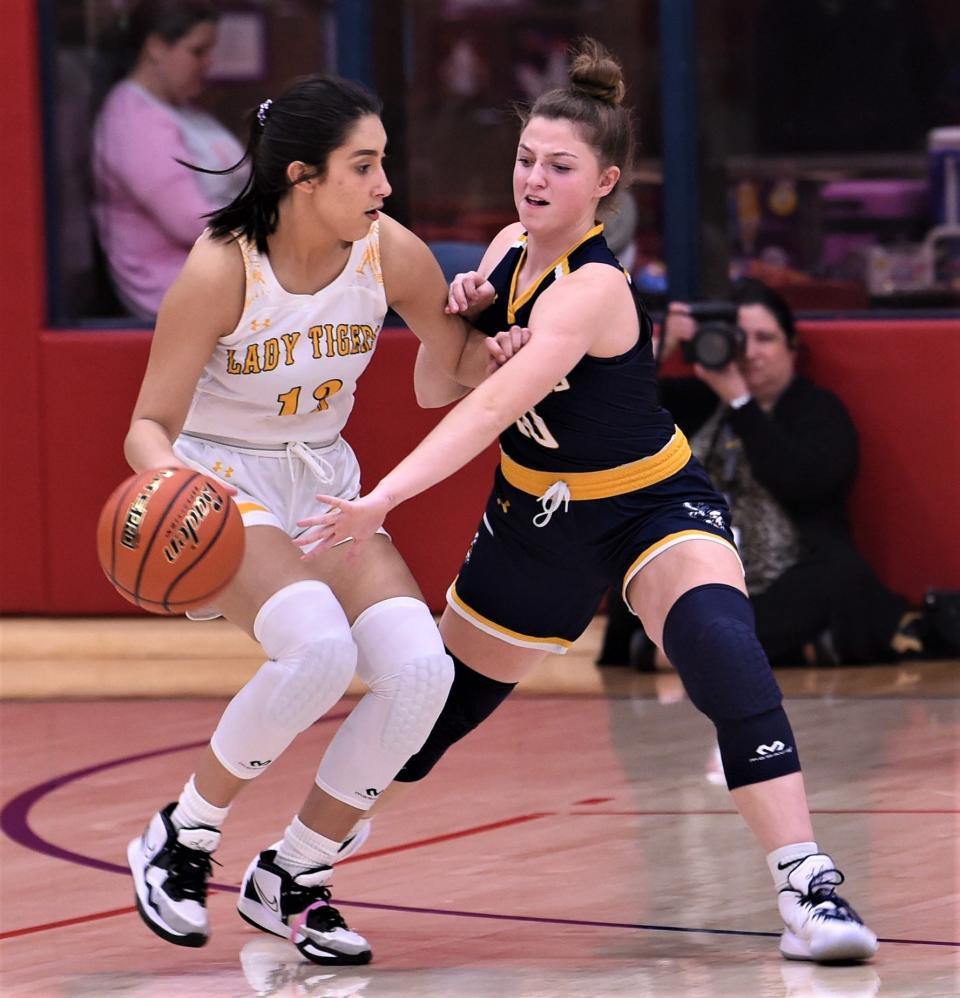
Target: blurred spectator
point(148, 207)
point(784, 452)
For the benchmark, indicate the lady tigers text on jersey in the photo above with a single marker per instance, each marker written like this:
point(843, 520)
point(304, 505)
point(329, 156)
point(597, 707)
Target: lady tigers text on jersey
point(289, 369)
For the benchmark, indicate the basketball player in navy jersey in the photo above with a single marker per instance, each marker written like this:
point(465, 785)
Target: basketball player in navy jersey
point(596, 485)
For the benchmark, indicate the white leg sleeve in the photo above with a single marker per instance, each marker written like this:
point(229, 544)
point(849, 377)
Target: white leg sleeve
point(305, 632)
point(402, 660)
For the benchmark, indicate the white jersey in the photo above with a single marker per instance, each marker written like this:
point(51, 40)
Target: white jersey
point(289, 371)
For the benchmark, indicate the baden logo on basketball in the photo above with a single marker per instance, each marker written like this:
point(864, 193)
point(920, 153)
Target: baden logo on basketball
point(186, 532)
point(130, 532)
point(170, 539)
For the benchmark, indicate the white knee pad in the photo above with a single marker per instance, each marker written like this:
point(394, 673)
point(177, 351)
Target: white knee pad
point(402, 660)
point(305, 632)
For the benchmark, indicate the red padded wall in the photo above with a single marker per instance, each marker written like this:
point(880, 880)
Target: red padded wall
point(900, 379)
point(896, 378)
point(23, 542)
point(90, 384)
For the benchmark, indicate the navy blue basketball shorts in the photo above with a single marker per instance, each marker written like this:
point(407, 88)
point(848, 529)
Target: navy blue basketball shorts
point(540, 564)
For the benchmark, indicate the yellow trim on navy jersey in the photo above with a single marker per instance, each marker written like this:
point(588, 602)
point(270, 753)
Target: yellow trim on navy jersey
point(490, 625)
point(641, 474)
point(514, 304)
point(668, 542)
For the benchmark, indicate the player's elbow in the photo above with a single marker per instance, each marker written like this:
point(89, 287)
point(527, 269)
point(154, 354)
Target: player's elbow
point(434, 396)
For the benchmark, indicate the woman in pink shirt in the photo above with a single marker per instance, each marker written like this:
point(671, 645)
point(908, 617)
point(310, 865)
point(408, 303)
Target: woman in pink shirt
point(149, 208)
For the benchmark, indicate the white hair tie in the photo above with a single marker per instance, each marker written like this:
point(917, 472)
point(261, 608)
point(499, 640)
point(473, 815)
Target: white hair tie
point(263, 111)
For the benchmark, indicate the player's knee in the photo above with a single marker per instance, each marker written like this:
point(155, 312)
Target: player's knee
point(709, 636)
point(473, 697)
point(402, 660)
point(304, 686)
point(305, 632)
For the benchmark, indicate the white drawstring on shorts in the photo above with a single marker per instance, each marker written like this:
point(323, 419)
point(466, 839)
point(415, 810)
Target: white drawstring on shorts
point(321, 468)
point(558, 494)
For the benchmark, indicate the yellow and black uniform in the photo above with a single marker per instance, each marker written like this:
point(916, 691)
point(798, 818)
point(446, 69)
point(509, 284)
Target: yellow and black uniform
point(595, 480)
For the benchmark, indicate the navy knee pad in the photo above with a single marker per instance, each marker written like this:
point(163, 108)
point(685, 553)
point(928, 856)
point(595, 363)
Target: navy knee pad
point(473, 697)
point(710, 637)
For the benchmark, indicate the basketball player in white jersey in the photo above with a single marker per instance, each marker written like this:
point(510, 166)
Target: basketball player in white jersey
point(258, 347)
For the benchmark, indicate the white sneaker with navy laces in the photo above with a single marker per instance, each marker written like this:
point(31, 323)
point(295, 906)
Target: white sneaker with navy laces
point(298, 908)
point(820, 925)
point(170, 869)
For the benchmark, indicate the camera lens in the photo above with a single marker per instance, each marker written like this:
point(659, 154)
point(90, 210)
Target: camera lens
point(713, 346)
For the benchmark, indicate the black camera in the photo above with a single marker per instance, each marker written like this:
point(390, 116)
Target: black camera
point(718, 339)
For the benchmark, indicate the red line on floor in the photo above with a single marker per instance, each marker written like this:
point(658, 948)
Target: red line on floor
point(449, 836)
point(67, 921)
point(839, 810)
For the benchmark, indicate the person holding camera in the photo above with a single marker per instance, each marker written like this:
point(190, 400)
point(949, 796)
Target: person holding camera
point(783, 451)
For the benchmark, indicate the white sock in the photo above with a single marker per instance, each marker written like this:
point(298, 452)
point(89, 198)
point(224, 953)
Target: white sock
point(193, 811)
point(361, 822)
point(304, 849)
point(781, 861)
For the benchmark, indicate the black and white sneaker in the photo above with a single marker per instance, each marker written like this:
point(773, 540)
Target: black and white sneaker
point(170, 869)
point(820, 925)
point(298, 908)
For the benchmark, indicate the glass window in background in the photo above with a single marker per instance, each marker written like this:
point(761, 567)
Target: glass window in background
point(467, 63)
point(85, 52)
point(830, 147)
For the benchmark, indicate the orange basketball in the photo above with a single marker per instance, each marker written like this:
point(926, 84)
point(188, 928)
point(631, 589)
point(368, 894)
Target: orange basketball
point(170, 539)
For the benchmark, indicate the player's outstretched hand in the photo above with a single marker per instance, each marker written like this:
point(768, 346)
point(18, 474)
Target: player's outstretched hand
point(506, 344)
point(356, 519)
point(469, 294)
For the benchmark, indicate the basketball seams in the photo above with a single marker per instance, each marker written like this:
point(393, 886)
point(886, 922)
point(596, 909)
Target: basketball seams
point(161, 520)
point(146, 568)
point(185, 604)
point(211, 544)
point(123, 490)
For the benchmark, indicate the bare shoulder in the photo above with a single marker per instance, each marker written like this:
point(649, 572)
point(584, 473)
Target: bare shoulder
point(584, 303)
point(211, 286)
point(506, 237)
point(594, 284)
point(406, 261)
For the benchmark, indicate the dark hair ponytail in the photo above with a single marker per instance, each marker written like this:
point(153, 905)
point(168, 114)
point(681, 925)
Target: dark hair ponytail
point(306, 122)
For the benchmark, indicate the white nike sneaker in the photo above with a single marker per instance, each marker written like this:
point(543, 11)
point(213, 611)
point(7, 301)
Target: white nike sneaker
point(297, 908)
point(170, 869)
point(820, 925)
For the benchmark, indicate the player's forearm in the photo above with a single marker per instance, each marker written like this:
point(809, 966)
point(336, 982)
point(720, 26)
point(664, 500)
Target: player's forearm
point(433, 386)
point(148, 445)
point(463, 433)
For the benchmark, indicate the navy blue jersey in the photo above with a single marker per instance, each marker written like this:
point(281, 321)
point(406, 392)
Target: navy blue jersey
point(604, 413)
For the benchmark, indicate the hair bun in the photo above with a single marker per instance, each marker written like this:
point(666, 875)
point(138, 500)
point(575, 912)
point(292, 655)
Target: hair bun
point(596, 73)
